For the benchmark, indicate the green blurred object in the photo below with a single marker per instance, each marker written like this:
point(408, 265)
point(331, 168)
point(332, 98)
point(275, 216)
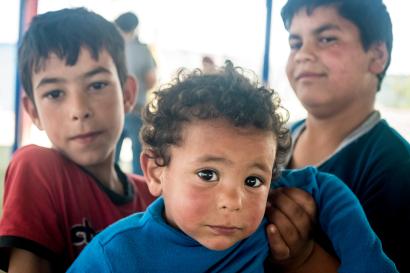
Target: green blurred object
point(395, 92)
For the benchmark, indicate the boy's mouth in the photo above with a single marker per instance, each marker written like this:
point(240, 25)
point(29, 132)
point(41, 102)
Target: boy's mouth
point(87, 137)
point(308, 75)
point(224, 230)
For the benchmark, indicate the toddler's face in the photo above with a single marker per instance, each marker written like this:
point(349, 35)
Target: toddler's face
point(217, 183)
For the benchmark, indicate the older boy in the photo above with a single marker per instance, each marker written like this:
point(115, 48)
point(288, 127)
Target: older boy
point(340, 51)
point(73, 72)
point(212, 145)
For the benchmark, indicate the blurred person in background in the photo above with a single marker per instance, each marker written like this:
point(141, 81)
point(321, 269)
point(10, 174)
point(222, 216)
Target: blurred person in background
point(140, 64)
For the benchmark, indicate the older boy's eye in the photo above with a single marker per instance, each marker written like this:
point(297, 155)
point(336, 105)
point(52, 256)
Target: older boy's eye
point(327, 40)
point(98, 85)
point(208, 175)
point(54, 94)
point(253, 182)
point(295, 44)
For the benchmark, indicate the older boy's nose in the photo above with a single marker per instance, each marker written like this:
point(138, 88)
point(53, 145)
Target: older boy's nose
point(305, 53)
point(230, 199)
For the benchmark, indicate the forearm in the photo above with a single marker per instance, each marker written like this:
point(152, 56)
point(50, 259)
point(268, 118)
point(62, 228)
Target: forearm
point(25, 261)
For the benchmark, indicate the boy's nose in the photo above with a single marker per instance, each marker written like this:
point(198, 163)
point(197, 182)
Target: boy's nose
point(305, 53)
point(230, 199)
point(80, 116)
point(80, 109)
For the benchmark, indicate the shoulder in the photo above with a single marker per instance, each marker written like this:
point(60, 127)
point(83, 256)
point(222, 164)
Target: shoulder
point(383, 149)
point(33, 166)
point(123, 230)
point(38, 156)
point(37, 159)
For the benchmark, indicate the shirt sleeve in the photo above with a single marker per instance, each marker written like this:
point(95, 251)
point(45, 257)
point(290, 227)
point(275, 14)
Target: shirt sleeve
point(29, 219)
point(343, 220)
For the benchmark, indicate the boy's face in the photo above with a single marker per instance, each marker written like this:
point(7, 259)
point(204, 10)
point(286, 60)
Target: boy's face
point(216, 185)
point(327, 66)
point(81, 107)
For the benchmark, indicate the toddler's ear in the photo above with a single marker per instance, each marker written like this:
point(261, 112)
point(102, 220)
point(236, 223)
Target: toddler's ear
point(130, 93)
point(31, 110)
point(379, 57)
point(152, 172)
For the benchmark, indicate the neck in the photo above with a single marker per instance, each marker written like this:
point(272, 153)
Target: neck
point(323, 135)
point(336, 128)
point(107, 175)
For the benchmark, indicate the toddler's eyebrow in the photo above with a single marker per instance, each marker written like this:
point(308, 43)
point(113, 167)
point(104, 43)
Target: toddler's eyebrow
point(210, 158)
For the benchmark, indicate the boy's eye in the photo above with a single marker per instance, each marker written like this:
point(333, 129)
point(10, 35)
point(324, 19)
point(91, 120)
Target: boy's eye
point(253, 182)
point(98, 85)
point(327, 40)
point(54, 94)
point(295, 44)
point(208, 175)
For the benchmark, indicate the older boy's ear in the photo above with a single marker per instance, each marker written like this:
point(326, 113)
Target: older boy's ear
point(152, 172)
point(379, 57)
point(31, 110)
point(130, 93)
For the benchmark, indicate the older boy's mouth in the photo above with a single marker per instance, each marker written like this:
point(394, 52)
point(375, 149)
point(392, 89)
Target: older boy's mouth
point(309, 75)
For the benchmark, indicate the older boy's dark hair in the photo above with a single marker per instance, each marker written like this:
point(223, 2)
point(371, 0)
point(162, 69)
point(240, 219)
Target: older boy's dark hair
point(64, 33)
point(127, 22)
point(369, 16)
point(228, 94)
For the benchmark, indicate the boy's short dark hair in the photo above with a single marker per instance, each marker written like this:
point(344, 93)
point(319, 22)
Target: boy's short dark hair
point(227, 94)
point(64, 33)
point(127, 22)
point(369, 16)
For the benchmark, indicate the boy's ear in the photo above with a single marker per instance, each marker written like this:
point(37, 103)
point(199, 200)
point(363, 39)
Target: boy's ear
point(130, 93)
point(379, 57)
point(31, 109)
point(152, 172)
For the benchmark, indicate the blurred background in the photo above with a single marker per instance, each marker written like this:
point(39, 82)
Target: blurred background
point(181, 32)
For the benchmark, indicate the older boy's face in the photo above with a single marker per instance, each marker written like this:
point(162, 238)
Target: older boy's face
point(81, 107)
point(216, 185)
point(327, 66)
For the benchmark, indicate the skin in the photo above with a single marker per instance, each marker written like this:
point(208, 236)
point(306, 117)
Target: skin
point(213, 191)
point(82, 109)
point(333, 77)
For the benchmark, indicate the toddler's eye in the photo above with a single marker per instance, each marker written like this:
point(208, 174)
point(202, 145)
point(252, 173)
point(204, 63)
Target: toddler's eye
point(253, 182)
point(208, 175)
